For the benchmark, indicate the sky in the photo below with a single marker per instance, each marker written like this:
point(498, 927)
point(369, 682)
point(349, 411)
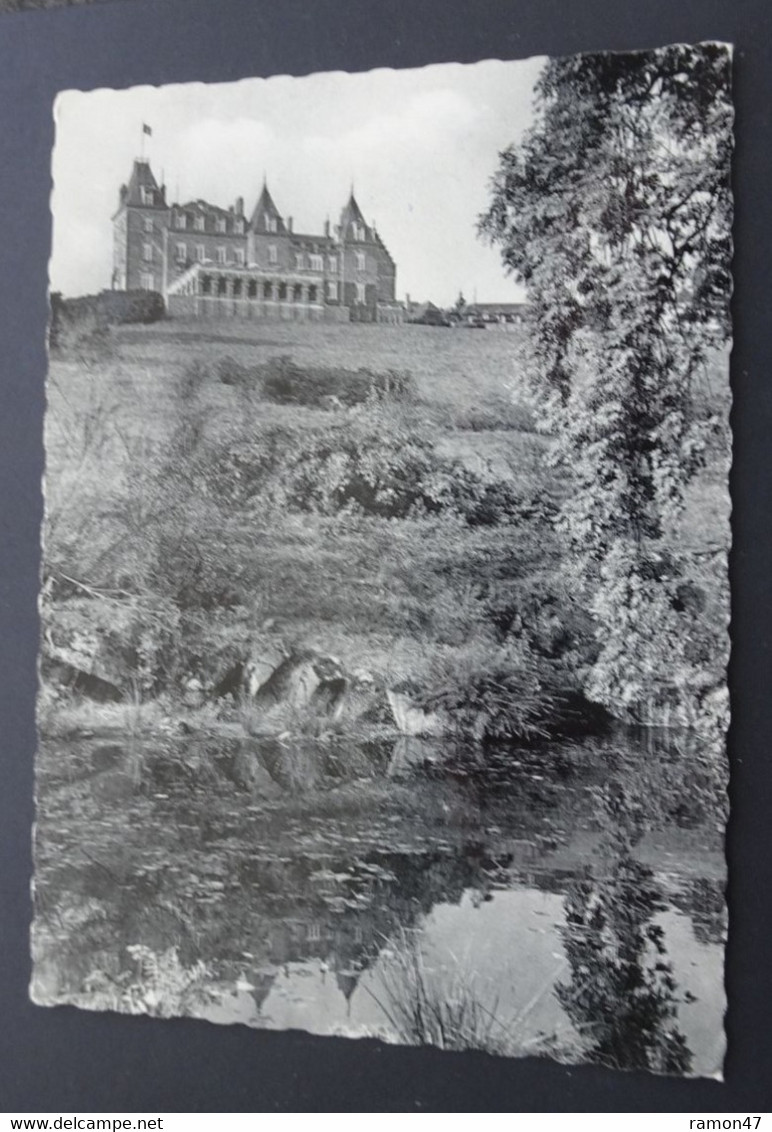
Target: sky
point(419, 147)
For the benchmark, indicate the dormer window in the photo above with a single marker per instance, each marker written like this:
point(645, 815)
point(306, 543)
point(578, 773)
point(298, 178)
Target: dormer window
point(181, 220)
point(146, 195)
point(221, 226)
point(299, 261)
point(239, 227)
point(198, 224)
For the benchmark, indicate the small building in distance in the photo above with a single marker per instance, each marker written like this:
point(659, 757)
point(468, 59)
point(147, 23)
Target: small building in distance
point(490, 315)
point(210, 262)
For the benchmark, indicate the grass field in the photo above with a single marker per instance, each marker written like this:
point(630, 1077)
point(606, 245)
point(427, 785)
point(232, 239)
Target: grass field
point(191, 522)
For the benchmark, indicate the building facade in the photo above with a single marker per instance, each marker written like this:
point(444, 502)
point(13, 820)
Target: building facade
point(212, 262)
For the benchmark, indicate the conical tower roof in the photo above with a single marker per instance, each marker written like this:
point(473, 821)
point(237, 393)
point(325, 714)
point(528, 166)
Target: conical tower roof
point(351, 217)
point(266, 216)
point(143, 188)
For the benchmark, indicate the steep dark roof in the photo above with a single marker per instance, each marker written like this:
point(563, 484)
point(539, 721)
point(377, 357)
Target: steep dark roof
point(266, 207)
point(142, 178)
point(352, 214)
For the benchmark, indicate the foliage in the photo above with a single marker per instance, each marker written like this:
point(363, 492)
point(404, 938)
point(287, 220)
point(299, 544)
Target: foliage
point(622, 997)
point(494, 694)
point(158, 984)
point(89, 313)
point(615, 211)
point(286, 382)
point(371, 464)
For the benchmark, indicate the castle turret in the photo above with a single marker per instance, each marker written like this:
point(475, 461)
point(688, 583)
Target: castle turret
point(266, 218)
point(139, 232)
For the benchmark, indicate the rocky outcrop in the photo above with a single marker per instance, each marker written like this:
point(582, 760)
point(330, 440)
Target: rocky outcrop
point(411, 718)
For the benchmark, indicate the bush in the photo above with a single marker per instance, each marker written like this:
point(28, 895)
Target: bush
point(73, 320)
point(366, 466)
point(231, 372)
point(287, 383)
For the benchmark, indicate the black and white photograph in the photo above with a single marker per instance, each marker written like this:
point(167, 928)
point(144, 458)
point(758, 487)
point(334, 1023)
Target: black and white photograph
point(384, 600)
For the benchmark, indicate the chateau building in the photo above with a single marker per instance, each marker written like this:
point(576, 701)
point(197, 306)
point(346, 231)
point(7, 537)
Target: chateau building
point(213, 262)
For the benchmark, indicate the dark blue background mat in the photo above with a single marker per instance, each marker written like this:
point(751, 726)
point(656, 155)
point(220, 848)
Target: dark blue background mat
point(69, 1060)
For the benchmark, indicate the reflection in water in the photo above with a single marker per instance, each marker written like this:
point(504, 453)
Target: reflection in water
point(408, 892)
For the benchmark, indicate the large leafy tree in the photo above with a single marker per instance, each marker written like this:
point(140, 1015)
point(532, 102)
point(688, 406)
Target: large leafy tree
point(615, 211)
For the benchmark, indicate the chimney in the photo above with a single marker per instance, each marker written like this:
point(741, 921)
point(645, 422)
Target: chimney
point(239, 206)
point(289, 224)
point(327, 228)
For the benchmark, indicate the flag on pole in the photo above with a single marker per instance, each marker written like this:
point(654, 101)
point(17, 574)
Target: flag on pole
point(146, 130)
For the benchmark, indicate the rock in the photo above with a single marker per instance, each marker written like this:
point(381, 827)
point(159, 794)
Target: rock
point(299, 678)
point(247, 676)
point(411, 719)
point(94, 685)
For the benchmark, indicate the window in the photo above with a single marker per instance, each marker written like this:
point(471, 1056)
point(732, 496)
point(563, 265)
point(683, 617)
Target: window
point(240, 257)
point(220, 226)
point(361, 262)
point(199, 224)
point(200, 253)
point(180, 220)
point(317, 263)
point(272, 254)
point(299, 261)
point(222, 255)
point(146, 281)
point(146, 195)
point(147, 252)
point(332, 289)
point(182, 253)
point(360, 292)
point(239, 227)
point(333, 261)
point(148, 223)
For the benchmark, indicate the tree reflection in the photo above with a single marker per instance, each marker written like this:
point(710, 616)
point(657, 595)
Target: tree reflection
point(622, 996)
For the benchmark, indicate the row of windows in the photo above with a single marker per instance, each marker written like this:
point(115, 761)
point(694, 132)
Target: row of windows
point(147, 282)
point(315, 262)
point(222, 254)
point(257, 289)
point(199, 224)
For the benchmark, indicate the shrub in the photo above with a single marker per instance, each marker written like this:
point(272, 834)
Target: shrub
point(75, 321)
point(231, 372)
point(367, 465)
point(287, 383)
